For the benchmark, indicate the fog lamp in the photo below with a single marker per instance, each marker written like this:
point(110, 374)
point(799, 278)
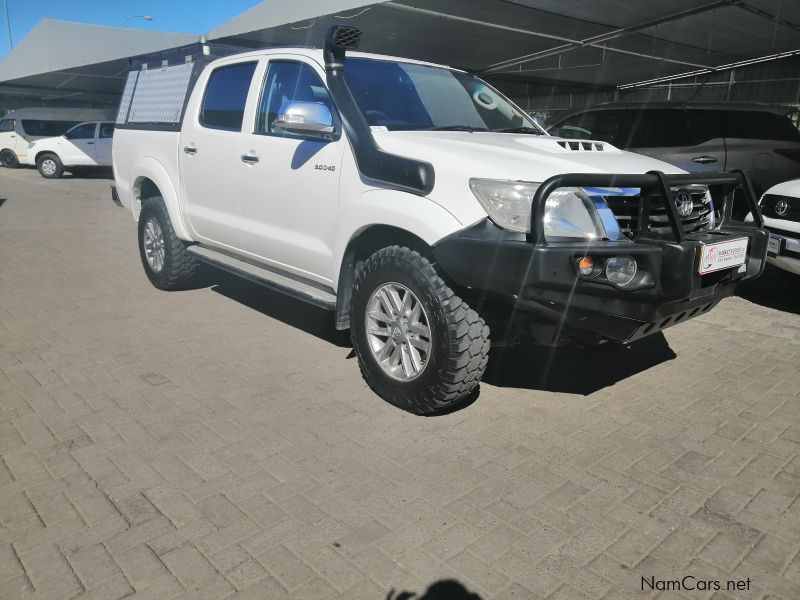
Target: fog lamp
point(620, 270)
point(586, 265)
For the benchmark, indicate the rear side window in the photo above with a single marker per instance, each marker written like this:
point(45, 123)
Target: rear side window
point(42, 128)
point(7, 125)
point(758, 125)
point(638, 128)
point(226, 96)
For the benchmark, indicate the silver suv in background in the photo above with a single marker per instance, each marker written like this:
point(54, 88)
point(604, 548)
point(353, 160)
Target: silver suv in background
point(758, 139)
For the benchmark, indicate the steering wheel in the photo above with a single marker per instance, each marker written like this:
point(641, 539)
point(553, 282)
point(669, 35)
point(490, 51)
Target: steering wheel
point(375, 115)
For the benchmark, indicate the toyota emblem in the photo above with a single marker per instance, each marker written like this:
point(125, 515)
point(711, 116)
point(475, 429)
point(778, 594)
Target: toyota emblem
point(781, 208)
point(684, 204)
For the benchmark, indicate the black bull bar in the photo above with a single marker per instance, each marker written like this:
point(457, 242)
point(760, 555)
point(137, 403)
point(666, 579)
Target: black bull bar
point(652, 184)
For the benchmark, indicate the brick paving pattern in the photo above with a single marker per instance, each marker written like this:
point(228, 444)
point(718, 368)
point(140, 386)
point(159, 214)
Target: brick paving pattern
point(220, 443)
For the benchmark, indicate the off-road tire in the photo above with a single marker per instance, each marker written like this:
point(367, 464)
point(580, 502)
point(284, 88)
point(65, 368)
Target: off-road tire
point(58, 166)
point(180, 267)
point(8, 159)
point(459, 336)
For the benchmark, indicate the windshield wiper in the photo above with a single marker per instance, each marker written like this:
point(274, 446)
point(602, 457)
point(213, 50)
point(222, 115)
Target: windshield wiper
point(519, 130)
point(457, 128)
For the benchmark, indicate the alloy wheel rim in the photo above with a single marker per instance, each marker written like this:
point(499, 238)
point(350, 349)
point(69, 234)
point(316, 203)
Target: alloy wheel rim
point(154, 245)
point(398, 332)
point(49, 166)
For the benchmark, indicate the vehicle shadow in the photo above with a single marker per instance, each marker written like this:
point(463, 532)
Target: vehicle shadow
point(567, 369)
point(90, 173)
point(574, 370)
point(774, 289)
point(445, 589)
point(305, 317)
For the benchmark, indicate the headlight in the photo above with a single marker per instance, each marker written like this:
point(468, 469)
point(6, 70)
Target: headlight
point(507, 202)
point(569, 212)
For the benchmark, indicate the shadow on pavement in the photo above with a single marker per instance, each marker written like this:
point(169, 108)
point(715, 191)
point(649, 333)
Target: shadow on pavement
point(567, 369)
point(574, 370)
point(774, 289)
point(316, 321)
point(90, 173)
point(446, 589)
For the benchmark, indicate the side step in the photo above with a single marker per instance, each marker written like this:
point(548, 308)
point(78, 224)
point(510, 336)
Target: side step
point(307, 291)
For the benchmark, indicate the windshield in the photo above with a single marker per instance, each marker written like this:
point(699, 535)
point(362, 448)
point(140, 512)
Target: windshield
point(405, 96)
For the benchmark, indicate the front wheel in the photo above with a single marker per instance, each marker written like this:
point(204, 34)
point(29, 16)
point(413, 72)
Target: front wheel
point(50, 166)
point(9, 159)
point(419, 346)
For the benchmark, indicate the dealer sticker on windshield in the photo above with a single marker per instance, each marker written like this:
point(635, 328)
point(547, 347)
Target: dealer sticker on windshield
point(723, 255)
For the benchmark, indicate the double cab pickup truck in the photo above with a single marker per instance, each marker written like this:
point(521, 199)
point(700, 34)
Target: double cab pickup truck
point(426, 211)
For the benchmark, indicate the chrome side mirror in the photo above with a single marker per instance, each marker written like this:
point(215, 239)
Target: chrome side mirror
point(306, 118)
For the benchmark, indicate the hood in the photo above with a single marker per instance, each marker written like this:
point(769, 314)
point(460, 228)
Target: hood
point(787, 188)
point(459, 156)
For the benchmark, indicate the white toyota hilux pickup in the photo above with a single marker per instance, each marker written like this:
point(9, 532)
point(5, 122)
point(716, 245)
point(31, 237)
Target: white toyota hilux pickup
point(419, 205)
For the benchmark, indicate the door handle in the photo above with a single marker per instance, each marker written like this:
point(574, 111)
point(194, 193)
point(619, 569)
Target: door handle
point(191, 150)
point(704, 160)
point(90, 143)
point(249, 159)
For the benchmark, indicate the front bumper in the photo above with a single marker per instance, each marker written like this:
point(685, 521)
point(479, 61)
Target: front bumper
point(784, 250)
point(542, 283)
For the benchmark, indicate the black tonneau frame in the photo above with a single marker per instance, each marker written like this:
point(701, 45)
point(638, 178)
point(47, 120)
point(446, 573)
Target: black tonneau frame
point(652, 184)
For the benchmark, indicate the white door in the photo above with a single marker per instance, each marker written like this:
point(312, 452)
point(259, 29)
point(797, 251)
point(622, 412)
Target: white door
point(289, 198)
point(77, 147)
point(210, 151)
point(8, 134)
point(105, 134)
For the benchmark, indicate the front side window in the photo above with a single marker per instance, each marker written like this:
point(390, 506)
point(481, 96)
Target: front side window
point(84, 131)
point(106, 130)
point(7, 125)
point(226, 96)
point(406, 96)
point(288, 82)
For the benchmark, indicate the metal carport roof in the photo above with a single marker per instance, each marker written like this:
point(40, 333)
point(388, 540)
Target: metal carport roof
point(64, 61)
point(595, 42)
point(587, 44)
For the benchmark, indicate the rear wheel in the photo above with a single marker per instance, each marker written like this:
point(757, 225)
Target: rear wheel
point(9, 159)
point(167, 263)
point(50, 166)
point(419, 346)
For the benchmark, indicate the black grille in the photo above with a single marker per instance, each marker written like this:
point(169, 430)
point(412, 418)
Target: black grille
point(347, 37)
point(626, 210)
point(780, 207)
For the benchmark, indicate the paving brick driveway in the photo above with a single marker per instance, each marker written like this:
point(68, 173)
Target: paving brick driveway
point(220, 442)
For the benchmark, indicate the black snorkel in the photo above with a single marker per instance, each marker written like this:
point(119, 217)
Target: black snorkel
point(376, 166)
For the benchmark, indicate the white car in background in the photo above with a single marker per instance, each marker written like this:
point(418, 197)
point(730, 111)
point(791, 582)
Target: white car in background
point(780, 206)
point(20, 127)
point(85, 145)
